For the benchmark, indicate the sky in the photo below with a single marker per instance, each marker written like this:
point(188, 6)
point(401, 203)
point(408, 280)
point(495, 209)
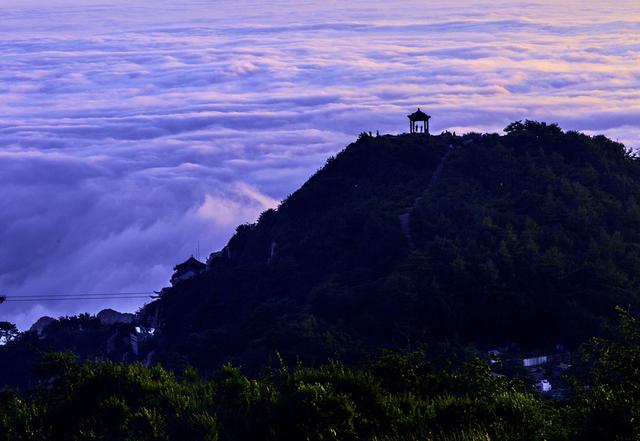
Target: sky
point(135, 133)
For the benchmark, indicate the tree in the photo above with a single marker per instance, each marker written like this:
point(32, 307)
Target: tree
point(8, 332)
point(608, 397)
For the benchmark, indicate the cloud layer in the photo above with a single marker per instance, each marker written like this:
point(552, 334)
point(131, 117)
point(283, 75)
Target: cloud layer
point(132, 131)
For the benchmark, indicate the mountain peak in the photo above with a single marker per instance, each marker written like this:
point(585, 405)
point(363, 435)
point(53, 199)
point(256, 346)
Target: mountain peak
point(409, 239)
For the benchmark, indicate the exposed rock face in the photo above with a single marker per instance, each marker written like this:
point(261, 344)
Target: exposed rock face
point(150, 315)
point(110, 317)
point(216, 256)
point(42, 323)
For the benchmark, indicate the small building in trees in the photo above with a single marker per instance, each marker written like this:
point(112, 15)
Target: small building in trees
point(139, 336)
point(535, 361)
point(419, 122)
point(543, 385)
point(186, 270)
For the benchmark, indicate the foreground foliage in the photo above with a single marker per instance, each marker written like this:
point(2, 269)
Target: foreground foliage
point(396, 397)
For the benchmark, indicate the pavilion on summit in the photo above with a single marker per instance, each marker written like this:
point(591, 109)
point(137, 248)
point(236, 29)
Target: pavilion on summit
point(419, 122)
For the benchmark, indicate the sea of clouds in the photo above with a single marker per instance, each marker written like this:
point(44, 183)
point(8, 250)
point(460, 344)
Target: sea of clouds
point(133, 133)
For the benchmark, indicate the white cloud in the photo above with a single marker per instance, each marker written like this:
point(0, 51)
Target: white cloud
point(132, 130)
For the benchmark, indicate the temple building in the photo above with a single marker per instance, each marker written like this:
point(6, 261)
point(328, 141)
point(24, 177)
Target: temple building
point(186, 270)
point(419, 122)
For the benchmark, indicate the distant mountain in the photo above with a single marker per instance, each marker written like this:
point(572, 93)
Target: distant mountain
point(528, 239)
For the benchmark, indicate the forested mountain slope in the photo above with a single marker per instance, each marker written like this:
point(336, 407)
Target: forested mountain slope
point(529, 238)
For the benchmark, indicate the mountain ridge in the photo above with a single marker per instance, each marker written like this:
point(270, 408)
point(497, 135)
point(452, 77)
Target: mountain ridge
point(330, 273)
point(530, 238)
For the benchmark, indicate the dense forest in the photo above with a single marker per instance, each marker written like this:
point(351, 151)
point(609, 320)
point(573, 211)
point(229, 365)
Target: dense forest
point(530, 238)
point(394, 397)
point(363, 307)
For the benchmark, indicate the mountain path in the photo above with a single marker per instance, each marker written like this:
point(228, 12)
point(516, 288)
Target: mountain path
point(405, 217)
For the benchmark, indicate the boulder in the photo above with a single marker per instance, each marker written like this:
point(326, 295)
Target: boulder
point(41, 324)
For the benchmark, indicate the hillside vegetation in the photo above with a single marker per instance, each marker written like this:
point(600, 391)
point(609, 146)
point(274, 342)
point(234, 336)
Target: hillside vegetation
point(530, 238)
point(395, 397)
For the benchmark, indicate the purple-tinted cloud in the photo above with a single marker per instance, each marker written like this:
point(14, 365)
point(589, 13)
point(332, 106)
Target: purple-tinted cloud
point(132, 131)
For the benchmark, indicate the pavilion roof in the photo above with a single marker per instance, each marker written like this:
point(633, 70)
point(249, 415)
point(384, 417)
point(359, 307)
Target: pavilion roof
point(190, 263)
point(418, 115)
